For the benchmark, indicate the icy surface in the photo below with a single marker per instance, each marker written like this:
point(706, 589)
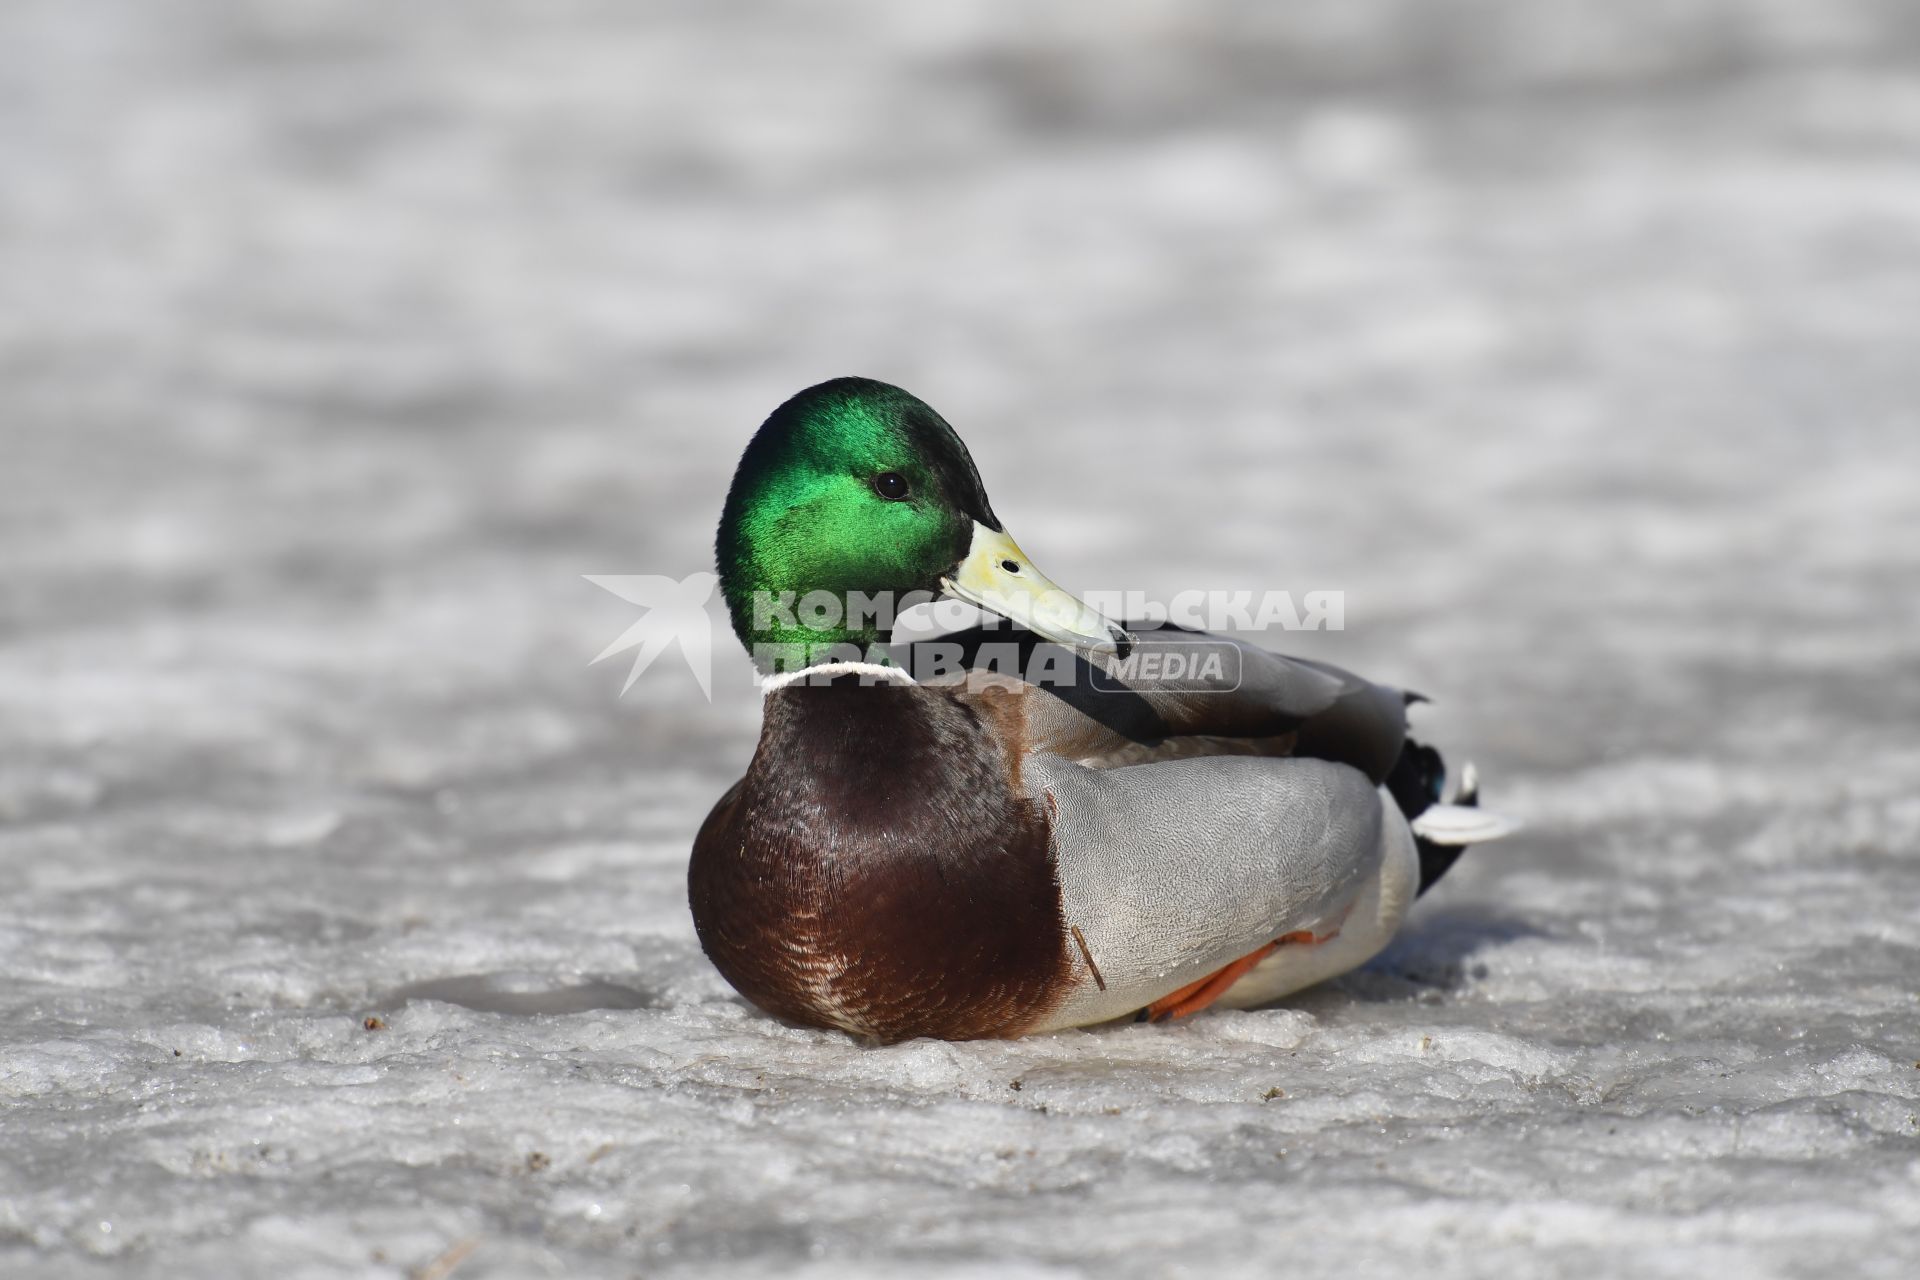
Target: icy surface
point(343, 929)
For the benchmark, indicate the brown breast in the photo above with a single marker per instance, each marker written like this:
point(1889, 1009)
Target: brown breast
point(878, 871)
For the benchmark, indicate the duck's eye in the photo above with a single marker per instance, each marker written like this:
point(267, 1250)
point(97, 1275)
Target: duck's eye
point(890, 485)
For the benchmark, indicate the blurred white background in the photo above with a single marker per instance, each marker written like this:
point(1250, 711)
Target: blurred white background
point(1575, 342)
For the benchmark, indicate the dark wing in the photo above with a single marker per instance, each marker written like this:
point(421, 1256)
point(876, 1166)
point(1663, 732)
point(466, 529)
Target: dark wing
point(1178, 693)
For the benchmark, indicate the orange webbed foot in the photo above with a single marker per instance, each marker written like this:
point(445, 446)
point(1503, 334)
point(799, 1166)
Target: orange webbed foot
point(1195, 996)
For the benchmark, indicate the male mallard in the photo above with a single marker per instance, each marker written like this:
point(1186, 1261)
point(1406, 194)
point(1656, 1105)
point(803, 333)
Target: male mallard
point(991, 853)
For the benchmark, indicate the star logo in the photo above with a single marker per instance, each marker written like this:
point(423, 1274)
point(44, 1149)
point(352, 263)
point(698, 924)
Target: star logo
point(676, 613)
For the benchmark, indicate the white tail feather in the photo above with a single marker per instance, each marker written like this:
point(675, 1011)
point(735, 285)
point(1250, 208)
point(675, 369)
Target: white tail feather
point(1453, 824)
point(1469, 785)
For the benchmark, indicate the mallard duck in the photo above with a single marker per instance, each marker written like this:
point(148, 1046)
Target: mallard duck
point(970, 848)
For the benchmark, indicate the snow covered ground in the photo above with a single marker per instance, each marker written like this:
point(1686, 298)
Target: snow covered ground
point(343, 928)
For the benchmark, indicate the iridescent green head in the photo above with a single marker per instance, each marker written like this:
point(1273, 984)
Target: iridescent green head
point(853, 497)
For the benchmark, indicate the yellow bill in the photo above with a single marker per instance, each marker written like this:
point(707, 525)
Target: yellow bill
point(997, 576)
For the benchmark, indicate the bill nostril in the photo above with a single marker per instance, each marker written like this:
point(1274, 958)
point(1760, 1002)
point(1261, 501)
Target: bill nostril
point(1122, 642)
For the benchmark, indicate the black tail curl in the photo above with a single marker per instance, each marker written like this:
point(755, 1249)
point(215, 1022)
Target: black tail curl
point(1418, 779)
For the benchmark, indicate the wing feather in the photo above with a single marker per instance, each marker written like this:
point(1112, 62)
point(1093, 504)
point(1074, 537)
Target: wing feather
point(1109, 711)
